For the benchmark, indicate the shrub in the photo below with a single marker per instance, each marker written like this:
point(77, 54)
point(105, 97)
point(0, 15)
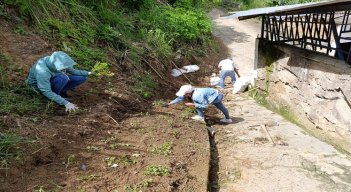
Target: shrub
point(157, 44)
point(139, 4)
point(187, 25)
point(144, 85)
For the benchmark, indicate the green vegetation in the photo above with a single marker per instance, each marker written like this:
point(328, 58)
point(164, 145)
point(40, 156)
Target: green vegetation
point(9, 146)
point(85, 28)
point(70, 160)
point(99, 33)
point(125, 160)
point(101, 69)
point(92, 148)
point(164, 149)
point(128, 159)
point(39, 189)
point(144, 85)
point(175, 133)
point(157, 170)
point(87, 178)
point(138, 187)
point(14, 97)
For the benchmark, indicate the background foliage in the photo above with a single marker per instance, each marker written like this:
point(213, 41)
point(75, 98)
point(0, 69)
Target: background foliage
point(249, 4)
point(85, 28)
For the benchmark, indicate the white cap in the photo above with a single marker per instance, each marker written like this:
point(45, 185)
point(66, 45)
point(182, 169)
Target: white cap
point(184, 89)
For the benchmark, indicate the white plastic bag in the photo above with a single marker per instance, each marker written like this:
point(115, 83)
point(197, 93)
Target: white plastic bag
point(191, 68)
point(241, 84)
point(214, 80)
point(184, 69)
point(176, 72)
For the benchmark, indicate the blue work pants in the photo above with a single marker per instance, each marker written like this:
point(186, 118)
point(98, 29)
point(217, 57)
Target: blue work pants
point(225, 74)
point(62, 83)
point(218, 103)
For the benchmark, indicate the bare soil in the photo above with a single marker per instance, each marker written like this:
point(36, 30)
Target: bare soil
point(116, 135)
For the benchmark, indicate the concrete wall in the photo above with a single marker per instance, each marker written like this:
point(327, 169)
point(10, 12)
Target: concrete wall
point(314, 87)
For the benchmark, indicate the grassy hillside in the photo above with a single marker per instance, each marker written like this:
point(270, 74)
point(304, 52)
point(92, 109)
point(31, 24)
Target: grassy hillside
point(132, 47)
point(99, 34)
point(92, 30)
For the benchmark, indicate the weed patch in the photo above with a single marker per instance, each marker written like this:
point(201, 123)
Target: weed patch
point(164, 149)
point(144, 85)
point(125, 160)
point(22, 100)
point(157, 170)
point(9, 146)
point(93, 148)
point(87, 178)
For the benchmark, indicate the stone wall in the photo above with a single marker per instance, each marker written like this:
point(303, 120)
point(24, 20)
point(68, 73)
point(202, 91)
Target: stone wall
point(314, 87)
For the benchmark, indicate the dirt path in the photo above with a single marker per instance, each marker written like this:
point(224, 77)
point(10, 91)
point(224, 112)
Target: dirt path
point(248, 161)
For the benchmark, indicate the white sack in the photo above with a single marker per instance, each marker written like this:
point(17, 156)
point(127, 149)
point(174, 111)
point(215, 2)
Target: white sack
point(241, 84)
point(191, 68)
point(184, 69)
point(176, 72)
point(214, 79)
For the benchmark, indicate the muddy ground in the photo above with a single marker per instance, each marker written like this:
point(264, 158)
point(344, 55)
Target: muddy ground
point(116, 142)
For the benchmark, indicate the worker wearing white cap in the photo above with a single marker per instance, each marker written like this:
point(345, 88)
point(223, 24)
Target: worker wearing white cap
point(202, 97)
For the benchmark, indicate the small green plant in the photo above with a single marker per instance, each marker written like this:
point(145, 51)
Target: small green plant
point(115, 145)
point(39, 189)
point(112, 139)
point(138, 187)
point(87, 177)
point(164, 149)
point(70, 160)
point(128, 160)
point(260, 96)
point(134, 188)
point(175, 133)
point(20, 30)
point(113, 142)
point(92, 148)
point(190, 110)
point(157, 170)
point(125, 160)
point(110, 161)
point(144, 85)
point(147, 182)
point(101, 69)
point(135, 124)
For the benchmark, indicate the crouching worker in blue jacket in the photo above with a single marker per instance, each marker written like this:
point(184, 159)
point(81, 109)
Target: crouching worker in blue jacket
point(54, 75)
point(202, 97)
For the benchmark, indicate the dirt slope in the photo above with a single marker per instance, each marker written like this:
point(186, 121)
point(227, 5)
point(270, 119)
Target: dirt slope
point(247, 159)
point(117, 141)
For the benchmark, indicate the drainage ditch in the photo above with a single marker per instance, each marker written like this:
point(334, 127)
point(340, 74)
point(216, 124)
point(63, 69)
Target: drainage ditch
point(213, 178)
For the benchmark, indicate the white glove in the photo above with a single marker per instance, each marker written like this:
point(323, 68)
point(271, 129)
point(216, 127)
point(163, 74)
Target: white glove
point(70, 107)
point(89, 73)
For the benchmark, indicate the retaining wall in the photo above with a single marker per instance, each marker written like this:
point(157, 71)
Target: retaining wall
point(314, 87)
